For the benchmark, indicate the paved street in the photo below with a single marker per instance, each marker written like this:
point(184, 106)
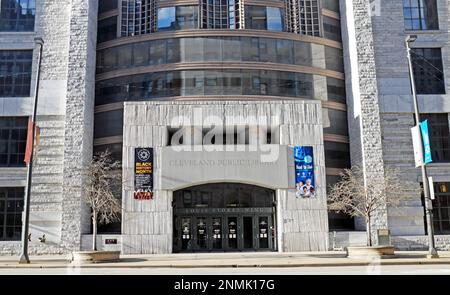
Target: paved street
point(347, 270)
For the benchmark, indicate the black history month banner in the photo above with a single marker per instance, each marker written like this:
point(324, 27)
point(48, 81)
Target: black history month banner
point(143, 174)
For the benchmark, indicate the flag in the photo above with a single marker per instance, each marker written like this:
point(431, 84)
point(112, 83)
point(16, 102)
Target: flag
point(38, 135)
point(29, 147)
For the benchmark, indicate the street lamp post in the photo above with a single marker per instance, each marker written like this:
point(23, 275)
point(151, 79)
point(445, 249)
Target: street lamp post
point(432, 253)
point(26, 214)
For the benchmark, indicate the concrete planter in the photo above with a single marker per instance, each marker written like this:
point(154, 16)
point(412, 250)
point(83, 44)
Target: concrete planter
point(86, 257)
point(370, 252)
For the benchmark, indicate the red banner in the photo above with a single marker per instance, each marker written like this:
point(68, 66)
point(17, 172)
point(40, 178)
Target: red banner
point(29, 146)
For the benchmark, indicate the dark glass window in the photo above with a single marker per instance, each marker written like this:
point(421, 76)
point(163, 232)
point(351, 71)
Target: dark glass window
point(338, 221)
point(13, 139)
point(15, 73)
point(332, 28)
point(334, 59)
point(107, 29)
point(331, 5)
point(224, 195)
point(428, 70)
point(337, 155)
point(11, 208)
point(438, 125)
point(220, 82)
point(115, 150)
point(218, 49)
point(108, 124)
point(264, 18)
point(336, 90)
point(441, 208)
point(107, 5)
point(330, 117)
point(420, 14)
point(17, 15)
point(220, 14)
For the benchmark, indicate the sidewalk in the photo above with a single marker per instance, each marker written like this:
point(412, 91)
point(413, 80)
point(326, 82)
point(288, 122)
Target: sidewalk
point(241, 260)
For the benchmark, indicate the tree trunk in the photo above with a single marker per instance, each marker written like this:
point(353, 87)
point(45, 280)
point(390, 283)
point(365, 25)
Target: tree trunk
point(369, 231)
point(94, 231)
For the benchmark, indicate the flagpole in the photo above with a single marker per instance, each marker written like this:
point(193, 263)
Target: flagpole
point(26, 214)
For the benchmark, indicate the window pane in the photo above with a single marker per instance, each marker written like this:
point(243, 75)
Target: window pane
point(17, 15)
point(13, 136)
point(11, 207)
point(15, 73)
point(428, 70)
point(107, 29)
point(166, 18)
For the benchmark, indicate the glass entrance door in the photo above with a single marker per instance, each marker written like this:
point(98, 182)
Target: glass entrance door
point(217, 233)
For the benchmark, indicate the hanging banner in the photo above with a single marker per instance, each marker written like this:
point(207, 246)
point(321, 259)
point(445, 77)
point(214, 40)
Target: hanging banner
point(426, 142)
point(143, 174)
point(304, 172)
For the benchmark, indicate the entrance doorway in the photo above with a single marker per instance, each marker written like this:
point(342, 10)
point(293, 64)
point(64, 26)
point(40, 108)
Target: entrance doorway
point(224, 218)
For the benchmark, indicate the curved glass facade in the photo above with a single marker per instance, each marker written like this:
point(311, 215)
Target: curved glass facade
point(168, 66)
point(217, 82)
point(219, 49)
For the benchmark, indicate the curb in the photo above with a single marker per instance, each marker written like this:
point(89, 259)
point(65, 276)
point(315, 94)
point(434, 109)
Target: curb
point(232, 265)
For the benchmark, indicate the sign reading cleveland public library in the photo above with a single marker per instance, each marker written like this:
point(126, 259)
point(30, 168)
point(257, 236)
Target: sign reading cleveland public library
point(143, 174)
point(304, 171)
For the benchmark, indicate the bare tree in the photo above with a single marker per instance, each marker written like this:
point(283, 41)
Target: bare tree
point(360, 196)
point(99, 192)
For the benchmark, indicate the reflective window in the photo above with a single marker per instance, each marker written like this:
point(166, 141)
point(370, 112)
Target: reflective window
point(107, 29)
point(420, 14)
point(193, 83)
point(264, 18)
point(337, 155)
point(275, 20)
point(439, 136)
point(17, 15)
point(15, 72)
point(166, 18)
point(331, 5)
point(336, 90)
point(428, 70)
point(138, 17)
point(107, 5)
point(441, 208)
point(113, 120)
point(332, 28)
point(304, 17)
point(223, 195)
point(11, 208)
point(13, 139)
point(330, 117)
point(220, 14)
point(334, 59)
point(186, 17)
point(219, 49)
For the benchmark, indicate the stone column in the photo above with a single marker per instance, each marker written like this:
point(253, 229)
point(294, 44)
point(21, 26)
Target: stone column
point(362, 95)
point(79, 119)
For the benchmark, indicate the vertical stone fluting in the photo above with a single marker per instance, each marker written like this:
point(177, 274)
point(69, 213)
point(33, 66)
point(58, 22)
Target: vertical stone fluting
point(79, 119)
point(363, 102)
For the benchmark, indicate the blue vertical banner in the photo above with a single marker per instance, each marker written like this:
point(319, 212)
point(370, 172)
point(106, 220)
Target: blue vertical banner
point(304, 171)
point(426, 142)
